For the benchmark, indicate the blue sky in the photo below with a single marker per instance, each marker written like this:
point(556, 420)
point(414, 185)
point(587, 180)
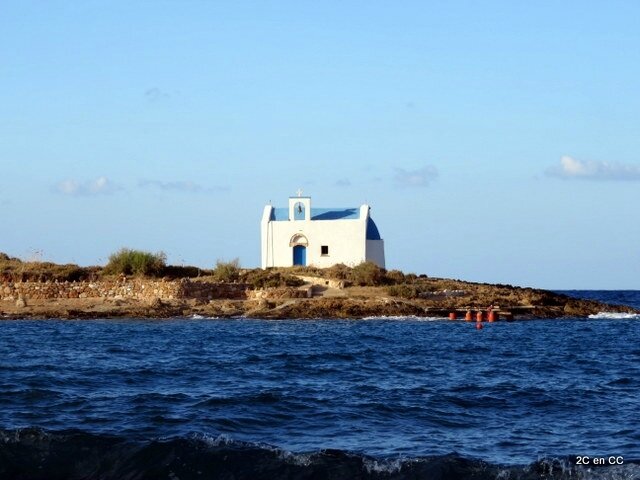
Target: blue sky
point(496, 141)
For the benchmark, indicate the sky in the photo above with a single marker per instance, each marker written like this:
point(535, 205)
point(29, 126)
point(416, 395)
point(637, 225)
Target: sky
point(495, 141)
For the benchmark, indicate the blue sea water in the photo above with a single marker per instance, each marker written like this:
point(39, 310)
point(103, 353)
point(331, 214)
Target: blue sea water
point(619, 297)
point(399, 388)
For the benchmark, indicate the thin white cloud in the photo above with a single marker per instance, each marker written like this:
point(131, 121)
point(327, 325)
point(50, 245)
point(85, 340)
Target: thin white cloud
point(154, 94)
point(421, 177)
point(98, 186)
point(570, 168)
point(184, 186)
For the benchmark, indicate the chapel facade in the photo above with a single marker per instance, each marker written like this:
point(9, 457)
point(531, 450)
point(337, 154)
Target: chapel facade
point(321, 237)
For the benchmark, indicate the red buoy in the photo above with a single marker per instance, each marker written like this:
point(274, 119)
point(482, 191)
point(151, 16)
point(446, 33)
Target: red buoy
point(478, 326)
point(493, 316)
point(453, 316)
point(480, 316)
point(468, 317)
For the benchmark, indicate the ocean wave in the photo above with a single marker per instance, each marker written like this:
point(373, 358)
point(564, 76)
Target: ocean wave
point(38, 454)
point(254, 399)
point(616, 315)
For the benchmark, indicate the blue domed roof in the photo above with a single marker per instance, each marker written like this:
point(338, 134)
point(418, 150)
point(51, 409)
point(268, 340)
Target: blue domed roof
point(372, 230)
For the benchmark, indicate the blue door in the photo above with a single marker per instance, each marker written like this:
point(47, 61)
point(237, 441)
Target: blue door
point(300, 255)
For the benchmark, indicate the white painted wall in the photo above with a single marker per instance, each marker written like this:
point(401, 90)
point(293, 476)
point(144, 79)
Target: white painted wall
point(266, 253)
point(346, 239)
point(306, 205)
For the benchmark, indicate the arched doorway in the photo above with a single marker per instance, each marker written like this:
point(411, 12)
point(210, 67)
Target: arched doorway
point(299, 245)
point(300, 255)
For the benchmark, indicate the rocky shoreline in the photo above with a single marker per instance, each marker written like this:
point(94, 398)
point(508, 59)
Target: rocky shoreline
point(316, 298)
point(35, 290)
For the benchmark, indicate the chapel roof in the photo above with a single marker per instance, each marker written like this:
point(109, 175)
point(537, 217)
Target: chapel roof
point(282, 214)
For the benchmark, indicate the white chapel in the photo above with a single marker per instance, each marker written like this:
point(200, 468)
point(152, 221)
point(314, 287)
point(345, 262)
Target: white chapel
point(319, 237)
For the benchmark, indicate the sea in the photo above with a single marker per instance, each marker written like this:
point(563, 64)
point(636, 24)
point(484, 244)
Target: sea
point(379, 398)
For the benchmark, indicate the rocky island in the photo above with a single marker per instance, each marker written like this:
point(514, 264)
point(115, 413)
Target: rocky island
point(46, 290)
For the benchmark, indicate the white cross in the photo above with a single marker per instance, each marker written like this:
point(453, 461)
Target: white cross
point(299, 192)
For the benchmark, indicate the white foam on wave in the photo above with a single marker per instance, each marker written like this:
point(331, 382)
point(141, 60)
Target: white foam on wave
point(390, 466)
point(196, 316)
point(616, 315)
point(213, 441)
point(300, 459)
point(414, 318)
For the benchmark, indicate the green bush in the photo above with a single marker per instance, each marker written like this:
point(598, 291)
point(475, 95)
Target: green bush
point(367, 274)
point(136, 262)
point(227, 272)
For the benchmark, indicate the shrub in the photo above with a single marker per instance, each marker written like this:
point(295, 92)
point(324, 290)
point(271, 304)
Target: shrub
point(183, 271)
point(404, 291)
point(47, 271)
point(304, 270)
point(15, 270)
point(227, 272)
point(394, 277)
point(367, 273)
point(136, 262)
point(338, 271)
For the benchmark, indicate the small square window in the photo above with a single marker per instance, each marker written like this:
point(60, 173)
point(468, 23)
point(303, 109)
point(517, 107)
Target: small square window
point(324, 250)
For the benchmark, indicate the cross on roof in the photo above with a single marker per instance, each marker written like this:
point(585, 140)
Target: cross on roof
point(299, 192)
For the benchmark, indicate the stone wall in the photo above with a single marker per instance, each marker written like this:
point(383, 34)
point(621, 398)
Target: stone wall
point(141, 289)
